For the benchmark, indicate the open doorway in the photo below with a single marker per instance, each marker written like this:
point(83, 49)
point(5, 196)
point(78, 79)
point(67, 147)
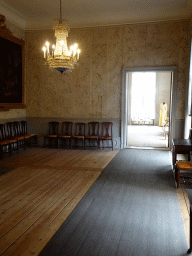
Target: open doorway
point(147, 105)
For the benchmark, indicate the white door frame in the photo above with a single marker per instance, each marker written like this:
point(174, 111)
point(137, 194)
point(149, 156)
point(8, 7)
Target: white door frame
point(124, 97)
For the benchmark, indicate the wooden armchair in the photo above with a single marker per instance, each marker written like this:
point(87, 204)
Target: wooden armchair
point(52, 136)
point(66, 133)
point(79, 134)
point(93, 134)
point(106, 135)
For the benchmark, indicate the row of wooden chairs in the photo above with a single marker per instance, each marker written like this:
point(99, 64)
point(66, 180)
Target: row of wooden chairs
point(14, 135)
point(93, 138)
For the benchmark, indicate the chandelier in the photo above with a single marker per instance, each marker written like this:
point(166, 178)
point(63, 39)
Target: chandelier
point(59, 57)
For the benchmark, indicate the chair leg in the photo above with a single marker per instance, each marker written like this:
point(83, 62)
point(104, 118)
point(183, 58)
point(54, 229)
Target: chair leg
point(177, 176)
point(35, 138)
point(1, 152)
point(83, 142)
point(30, 142)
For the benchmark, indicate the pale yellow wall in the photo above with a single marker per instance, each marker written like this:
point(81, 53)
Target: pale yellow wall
point(14, 113)
point(93, 89)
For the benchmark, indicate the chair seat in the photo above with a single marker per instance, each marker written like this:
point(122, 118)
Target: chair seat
point(78, 137)
point(27, 136)
point(31, 134)
point(184, 165)
point(51, 136)
point(105, 138)
point(65, 136)
point(181, 169)
point(19, 138)
point(5, 142)
point(91, 137)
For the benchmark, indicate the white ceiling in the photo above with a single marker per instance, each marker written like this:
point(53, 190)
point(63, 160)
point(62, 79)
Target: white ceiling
point(38, 14)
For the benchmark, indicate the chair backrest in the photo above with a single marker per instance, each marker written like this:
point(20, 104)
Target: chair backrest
point(80, 129)
point(190, 134)
point(53, 128)
point(9, 131)
point(2, 132)
point(17, 128)
point(107, 129)
point(66, 128)
point(23, 127)
point(93, 128)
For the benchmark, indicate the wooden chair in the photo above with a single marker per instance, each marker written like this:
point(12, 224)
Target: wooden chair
point(28, 136)
point(10, 135)
point(17, 134)
point(187, 152)
point(52, 136)
point(183, 169)
point(66, 133)
point(93, 134)
point(79, 134)
point(106, 134)
point(5, 144)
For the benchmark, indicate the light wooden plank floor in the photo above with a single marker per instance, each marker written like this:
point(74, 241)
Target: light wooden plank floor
point(185, 209)
point(41, 190)
point(184, 201)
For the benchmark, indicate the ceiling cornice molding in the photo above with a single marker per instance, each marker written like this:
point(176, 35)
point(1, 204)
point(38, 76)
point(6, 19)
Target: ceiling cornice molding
point(45, 24)
point(40, 22)
point(12, 15)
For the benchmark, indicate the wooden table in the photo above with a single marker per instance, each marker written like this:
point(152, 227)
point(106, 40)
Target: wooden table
point(189, 193)
point(181, 146)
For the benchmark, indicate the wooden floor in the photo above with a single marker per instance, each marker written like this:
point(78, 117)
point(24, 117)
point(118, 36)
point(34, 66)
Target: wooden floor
point(39, 192)
point(185, 209)
point(184, 201)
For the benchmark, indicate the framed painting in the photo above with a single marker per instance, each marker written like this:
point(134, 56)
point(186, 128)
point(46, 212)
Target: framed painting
point(11, 71)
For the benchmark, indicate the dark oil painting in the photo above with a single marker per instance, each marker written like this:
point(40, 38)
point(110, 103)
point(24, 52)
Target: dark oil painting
point(10, 72)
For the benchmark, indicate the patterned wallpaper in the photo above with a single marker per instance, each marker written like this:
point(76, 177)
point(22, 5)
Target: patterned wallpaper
point(93, 89)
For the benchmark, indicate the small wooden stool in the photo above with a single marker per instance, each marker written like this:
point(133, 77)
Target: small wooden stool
point(184, 167)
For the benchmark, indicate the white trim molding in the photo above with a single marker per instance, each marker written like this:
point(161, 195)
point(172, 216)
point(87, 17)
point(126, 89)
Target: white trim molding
point(12, 15)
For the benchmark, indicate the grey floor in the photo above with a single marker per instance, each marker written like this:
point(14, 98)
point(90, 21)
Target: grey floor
point(132, 209)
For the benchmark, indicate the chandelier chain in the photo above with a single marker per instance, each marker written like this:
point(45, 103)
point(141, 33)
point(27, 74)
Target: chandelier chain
point(60, 13)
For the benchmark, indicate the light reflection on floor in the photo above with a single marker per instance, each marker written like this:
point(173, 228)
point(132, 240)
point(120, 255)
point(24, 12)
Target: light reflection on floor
point(146, 136)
